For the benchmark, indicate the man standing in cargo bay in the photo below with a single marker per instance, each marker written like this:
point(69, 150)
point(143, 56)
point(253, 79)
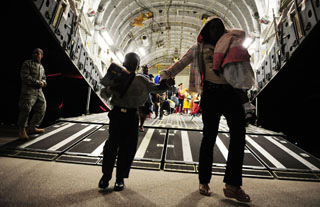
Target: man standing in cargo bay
point(33, 79)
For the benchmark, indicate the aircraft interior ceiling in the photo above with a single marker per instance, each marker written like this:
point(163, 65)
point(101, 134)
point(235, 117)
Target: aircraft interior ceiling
point(162, 31)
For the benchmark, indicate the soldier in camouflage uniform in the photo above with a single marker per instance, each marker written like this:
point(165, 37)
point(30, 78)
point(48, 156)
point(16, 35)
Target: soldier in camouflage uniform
point(33, 79)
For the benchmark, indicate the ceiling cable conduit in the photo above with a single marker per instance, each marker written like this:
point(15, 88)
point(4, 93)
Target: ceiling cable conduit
point(100, 12)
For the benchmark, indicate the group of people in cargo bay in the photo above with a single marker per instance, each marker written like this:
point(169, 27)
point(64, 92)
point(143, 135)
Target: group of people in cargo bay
point(175, 100)
point(220, 71)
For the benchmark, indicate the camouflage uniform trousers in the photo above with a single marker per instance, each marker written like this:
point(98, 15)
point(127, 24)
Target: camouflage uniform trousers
point(32, 102)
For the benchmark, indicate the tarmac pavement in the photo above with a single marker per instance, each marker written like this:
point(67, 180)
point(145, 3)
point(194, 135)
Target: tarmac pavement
point(33, 183)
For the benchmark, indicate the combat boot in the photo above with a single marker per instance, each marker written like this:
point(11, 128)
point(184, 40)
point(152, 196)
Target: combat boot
point(34, 130)
point(23, 133)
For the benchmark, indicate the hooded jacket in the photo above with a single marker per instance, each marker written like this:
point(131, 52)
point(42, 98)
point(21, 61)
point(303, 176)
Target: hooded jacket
point(194, 56)
point(229, 49)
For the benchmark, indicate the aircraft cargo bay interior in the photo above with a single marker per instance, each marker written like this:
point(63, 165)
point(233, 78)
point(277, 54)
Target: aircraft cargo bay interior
point(81, 49)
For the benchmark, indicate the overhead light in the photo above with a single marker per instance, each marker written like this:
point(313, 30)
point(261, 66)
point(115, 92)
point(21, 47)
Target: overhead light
point(102, 42)
point(247, 42)
point(120, 56)
point(175, 59)
point(142, 51)
point(107, 37)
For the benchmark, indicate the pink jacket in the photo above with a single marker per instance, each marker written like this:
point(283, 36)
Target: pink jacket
point(229, 49)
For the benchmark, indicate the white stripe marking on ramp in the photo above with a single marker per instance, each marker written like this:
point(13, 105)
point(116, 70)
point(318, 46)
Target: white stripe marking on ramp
point(46, 135)
point(266, 154)
point(222, 148)
point(293, 154)
point(187, 155)
point(144, 144)
point(98, 150)
point(69, 139)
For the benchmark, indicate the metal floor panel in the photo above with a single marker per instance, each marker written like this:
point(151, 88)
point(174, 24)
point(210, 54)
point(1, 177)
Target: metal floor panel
point(93, 144)
point(179, 167)
point(287, 175)
point(250, 160)
point(16, 143)
point(146, 165)
point(183, 147)
point(178, 121)
point(279, 154)
point(175, 121)
point(245, 172)
point(100, 118)
point(78, 159)
point(170, 144)
point(28, 154)
point(61, 138)
point(151, 144)
point(36, 155)
point(256, 173)
point(150, 165)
